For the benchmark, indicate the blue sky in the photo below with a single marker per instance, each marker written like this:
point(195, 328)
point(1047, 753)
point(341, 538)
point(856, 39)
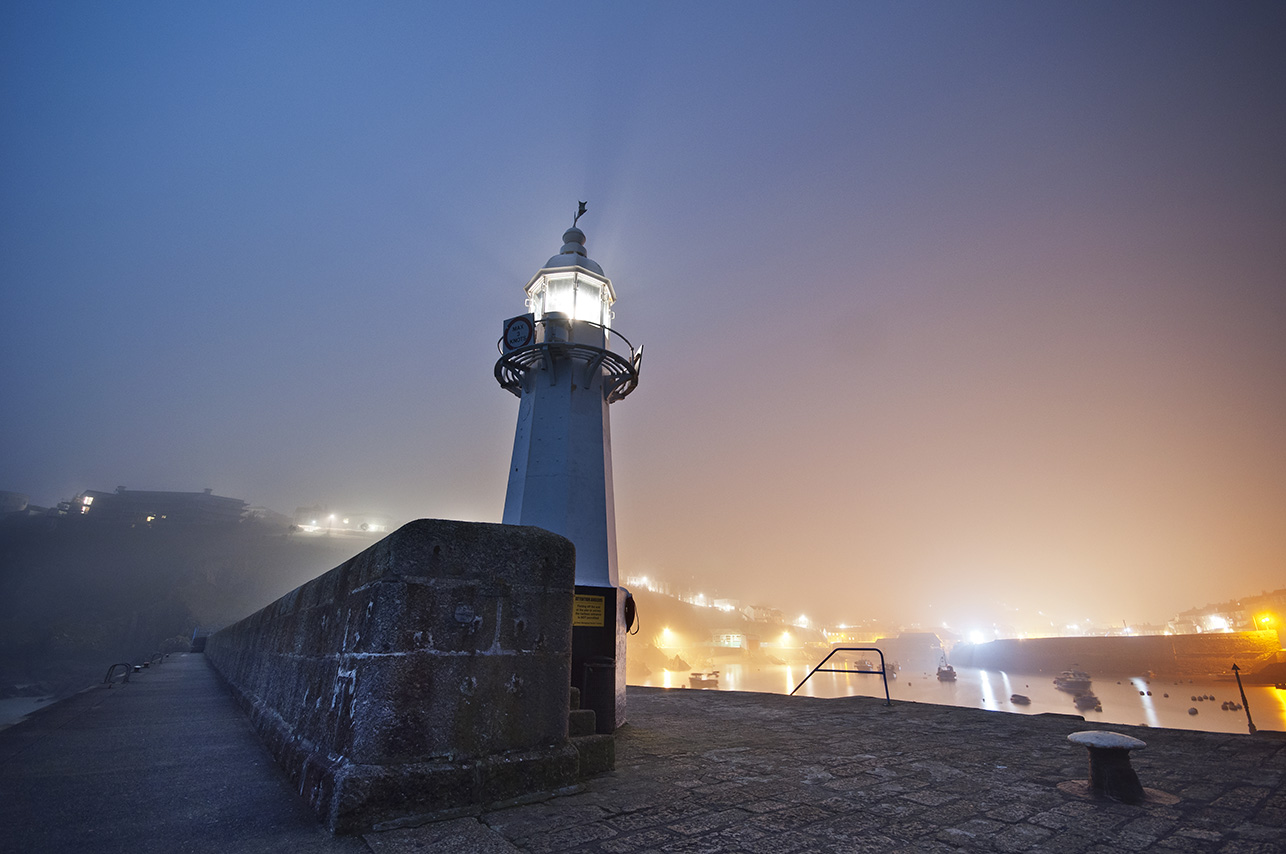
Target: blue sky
point(973, 306)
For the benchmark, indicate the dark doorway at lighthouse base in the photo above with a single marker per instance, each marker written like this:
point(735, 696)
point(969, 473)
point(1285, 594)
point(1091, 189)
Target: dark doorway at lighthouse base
point(598, 653)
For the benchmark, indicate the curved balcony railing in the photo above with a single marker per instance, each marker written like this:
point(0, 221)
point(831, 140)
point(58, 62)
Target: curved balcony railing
point(620, 370)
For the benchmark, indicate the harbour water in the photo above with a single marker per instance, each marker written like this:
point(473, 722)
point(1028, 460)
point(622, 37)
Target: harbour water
point(1124, 699)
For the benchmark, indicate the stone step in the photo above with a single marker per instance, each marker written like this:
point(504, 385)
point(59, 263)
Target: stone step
point(581, 722)
point(575, 704)
point(597, 754)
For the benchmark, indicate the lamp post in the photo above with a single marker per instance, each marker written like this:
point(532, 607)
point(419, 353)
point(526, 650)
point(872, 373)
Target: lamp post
point(566, 365)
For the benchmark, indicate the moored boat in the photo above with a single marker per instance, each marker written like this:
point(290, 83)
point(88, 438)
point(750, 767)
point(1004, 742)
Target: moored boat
point(1086, 701)
point(704, 679)
point(1072, 681)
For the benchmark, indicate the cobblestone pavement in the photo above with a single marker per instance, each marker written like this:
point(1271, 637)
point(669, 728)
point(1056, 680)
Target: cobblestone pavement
point(701, 771)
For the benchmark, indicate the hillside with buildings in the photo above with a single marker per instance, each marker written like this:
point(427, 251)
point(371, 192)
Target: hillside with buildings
point(683, 631)
point(78, 593)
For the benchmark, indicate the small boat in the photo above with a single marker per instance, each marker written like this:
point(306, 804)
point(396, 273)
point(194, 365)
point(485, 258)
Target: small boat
point(1073, 681)
point(1020, 699)
point(1086, 701)
point(704, 679)
point(946, 673)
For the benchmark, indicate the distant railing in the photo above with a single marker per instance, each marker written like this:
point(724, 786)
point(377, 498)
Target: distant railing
point(112, 670)
point(157, 658)
point(882, 672)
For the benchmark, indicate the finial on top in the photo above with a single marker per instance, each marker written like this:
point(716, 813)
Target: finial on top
point(573, 252)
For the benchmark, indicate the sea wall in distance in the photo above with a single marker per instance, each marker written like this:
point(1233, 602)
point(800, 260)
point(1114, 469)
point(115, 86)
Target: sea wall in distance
point(1164, 655)
point(427, 675)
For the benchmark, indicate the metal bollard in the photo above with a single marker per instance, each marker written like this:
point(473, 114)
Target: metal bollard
point(1110, 771)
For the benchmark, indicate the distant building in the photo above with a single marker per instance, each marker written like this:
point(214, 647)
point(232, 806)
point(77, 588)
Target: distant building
point(763, 613)
point(851, 635)
point(267, 517)
point(135, 507)
point(730, 638)
point(1263, 612)
point(913, 650)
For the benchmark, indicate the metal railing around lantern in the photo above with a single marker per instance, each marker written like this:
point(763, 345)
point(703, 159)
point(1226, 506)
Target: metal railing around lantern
point(621, 370)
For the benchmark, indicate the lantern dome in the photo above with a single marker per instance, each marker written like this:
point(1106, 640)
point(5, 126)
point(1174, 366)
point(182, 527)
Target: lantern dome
point(572, 284)
point(573, 253)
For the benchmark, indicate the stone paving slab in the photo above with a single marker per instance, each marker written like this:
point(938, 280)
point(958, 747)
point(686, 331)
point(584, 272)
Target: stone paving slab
point(712, 772)
point(170, 764)
point(166, 763)
point(458, 836)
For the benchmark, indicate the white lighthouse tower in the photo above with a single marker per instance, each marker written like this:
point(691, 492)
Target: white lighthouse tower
point(567, 365)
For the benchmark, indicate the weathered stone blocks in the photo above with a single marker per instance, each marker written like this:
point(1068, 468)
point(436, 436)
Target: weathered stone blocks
point(428, 674)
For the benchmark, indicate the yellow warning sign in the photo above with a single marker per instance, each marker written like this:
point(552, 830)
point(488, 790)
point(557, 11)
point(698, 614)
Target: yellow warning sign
point(587, 610)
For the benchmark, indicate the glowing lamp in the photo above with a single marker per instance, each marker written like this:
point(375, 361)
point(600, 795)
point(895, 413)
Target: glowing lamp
point(572, 284)
point(575, 293)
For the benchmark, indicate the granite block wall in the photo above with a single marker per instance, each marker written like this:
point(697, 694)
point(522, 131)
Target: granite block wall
point(426, 676)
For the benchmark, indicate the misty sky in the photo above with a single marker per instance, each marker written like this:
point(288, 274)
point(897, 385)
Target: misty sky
point(951, 310)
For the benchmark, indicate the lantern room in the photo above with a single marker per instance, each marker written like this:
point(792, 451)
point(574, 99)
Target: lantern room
point(572, 285)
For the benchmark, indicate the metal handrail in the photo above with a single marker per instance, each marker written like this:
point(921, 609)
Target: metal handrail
point(882, 672)
point(622, 372)
point(500, 342)
point(128, 668)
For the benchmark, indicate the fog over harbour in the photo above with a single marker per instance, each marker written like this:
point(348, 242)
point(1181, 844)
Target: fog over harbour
point(953, 312)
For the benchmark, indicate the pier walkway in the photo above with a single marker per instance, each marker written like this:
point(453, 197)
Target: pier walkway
point(168, 763)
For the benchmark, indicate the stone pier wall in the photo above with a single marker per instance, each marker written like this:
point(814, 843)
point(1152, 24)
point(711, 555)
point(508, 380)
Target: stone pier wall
point(1166, 655)
point(427, 675)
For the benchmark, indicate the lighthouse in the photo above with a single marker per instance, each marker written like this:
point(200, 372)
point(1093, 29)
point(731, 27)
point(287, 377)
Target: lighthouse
point(567, 365)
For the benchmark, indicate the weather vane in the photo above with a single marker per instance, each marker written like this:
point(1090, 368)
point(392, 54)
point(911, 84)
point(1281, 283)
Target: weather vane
point(580, 213)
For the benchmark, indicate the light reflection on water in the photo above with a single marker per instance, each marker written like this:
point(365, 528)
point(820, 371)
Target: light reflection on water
point(1124, 699)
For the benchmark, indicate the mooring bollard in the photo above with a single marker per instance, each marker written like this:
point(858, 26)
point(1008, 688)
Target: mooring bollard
point(1110, 770)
